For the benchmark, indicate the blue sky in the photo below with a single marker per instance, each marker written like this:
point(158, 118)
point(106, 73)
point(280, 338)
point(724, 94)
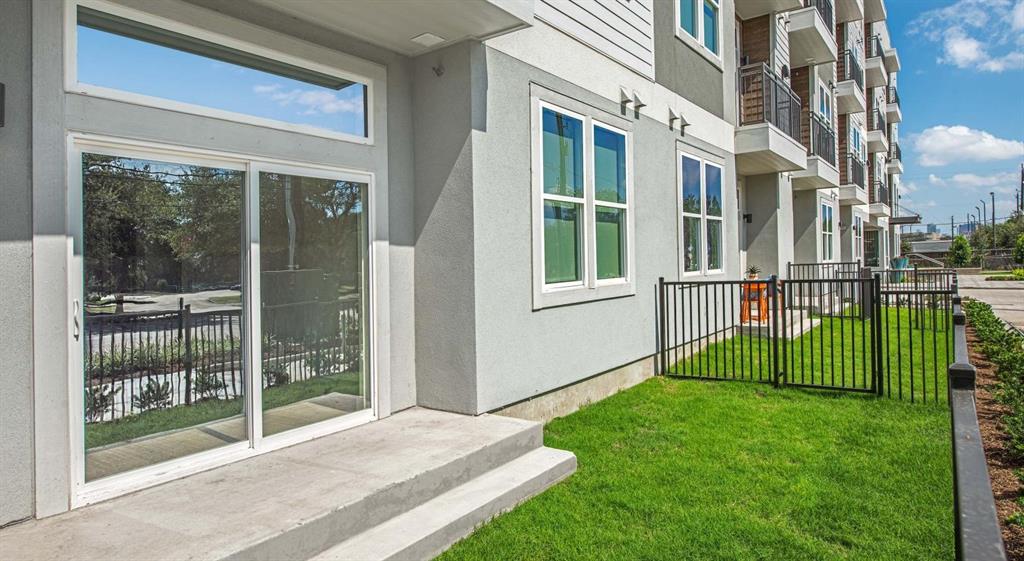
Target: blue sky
point(127, 64)
point(962, 92)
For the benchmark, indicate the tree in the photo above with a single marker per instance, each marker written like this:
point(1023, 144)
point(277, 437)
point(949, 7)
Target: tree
point(960, 252)
point(1018, 250)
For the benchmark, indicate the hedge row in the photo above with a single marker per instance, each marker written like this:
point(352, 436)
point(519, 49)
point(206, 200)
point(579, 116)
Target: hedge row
point(1005, 348)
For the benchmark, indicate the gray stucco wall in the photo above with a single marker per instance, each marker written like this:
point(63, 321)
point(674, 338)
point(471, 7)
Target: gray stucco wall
point(16, 477)
point(805, 232)
point(680, 68)
point(445, 338)
point(520, 352)
point(769, 242)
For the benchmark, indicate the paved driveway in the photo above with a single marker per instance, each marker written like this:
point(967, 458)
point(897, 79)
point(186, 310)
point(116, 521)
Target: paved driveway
point(1005, 297)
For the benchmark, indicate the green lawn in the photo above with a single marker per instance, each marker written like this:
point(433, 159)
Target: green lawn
point(682, 469)
point(181, 416)
point(838, 353)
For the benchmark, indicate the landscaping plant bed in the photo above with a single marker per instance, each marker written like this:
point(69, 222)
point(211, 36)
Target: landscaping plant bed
point(1002, 451)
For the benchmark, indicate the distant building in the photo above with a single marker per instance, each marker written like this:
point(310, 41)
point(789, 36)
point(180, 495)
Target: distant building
point(965, 229)
point(933, 229)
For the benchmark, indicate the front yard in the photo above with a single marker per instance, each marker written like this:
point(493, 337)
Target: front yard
point(682, 469)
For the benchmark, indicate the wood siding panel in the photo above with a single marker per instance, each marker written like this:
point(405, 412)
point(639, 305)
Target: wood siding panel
point(843, 138)
point(801, 84)
point(621, 29)
point(757, 40)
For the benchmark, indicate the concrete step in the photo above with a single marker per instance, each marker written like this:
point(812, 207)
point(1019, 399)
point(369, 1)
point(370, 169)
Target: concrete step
point(290, 504)
point(429, 529)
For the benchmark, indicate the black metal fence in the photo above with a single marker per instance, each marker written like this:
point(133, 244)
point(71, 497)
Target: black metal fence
point(148, 360)
point(828, 326)
point(824, 8)
point(823, 139)
point(854, 171)
point(873, 47)
point(852, 69)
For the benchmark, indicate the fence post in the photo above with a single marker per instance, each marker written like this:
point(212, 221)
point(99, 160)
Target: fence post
point(181, 314)
point(865, 294)
point(187, 321)
point(775, 329)
point(662, 326)
point(876, 320)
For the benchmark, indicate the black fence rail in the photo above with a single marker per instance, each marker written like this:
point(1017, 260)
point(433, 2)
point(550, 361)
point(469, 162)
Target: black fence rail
point(978, 535)
point(823, 139)
point(829, 326)
point(824, 8)
point(852, 69)
point(134, 362)
point(854, 171)
point(766, 98)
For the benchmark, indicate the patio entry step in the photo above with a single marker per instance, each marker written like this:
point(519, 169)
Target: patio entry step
point(427, 530)
point(312, 498)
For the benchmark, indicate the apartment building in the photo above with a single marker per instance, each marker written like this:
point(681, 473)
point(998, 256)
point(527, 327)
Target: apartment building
point(457, 206)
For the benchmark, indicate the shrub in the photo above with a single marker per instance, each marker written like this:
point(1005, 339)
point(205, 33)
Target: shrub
point(154, 396)
point(1005, 348)
point(99, 400)
point(960, 252)
point(1018, 250)
point(207, 386)
point(274, 376)
point(161, 285)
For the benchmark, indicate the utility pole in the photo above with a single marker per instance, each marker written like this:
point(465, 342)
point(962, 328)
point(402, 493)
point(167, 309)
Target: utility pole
point(993, 195)
point(952, 231)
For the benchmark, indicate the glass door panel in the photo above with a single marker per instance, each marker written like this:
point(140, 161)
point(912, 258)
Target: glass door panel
point(163, 317)
point(313, 299)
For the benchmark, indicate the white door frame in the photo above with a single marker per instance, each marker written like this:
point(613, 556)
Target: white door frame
point(83, 492)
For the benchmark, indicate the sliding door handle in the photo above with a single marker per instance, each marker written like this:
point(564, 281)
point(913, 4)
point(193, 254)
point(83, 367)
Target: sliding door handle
point(76, 328)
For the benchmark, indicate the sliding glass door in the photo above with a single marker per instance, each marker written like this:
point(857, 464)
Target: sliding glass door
point(182, 258)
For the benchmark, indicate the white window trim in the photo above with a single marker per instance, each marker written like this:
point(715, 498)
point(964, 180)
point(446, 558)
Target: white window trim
point(858, 237)
point(547, 295)
point(825, 95)
point(697, 43)
point(823, 204)
point(703, 216)
point(72, 85)
point(82, 492)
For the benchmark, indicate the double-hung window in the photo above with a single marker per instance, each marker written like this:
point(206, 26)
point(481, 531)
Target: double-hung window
point(825, 102)
point(584, 191)
point(700, 19)
point(827, 231)
point(702, 215)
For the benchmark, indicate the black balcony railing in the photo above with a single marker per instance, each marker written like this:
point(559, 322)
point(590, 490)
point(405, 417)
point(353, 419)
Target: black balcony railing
point(894, 151)
point(766, 98)
point(874, 47)
point(823, 139)
point(854, 170)
point(880, 193)
point(852, 69)
point(893, 96)
point(876, 120)
point(825, 11)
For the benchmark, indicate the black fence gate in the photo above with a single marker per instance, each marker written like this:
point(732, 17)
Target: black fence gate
point(886, 333)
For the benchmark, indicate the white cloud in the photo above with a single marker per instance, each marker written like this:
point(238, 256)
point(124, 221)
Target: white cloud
point(908, 187)
point(311, 101)
point(973, 180)
point(980, 35)
point(941, 145)
point(935, 180)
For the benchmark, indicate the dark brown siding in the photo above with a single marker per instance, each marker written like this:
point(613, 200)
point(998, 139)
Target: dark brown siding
point(757, 40)
point(800, 81)
point(843, 135)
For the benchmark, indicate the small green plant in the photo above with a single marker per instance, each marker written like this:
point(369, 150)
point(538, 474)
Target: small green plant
point(274, 376)
point(324, 363)
point(960, 252)
point(1005, 349)
point(753, 271)
point(99, 400)
point(207, 386)
point(154, 396)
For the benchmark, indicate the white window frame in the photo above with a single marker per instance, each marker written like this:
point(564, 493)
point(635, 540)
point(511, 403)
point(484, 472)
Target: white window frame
point(858, 238)
point(697, 43)
point(589, 288)
point(825, 102)
point(82, 492)
point(364, 68)
point(826, 239)
point(703, 216)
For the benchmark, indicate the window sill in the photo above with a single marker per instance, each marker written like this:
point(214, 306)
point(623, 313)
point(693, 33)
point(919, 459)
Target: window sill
point(554, 297)
point(692, 43)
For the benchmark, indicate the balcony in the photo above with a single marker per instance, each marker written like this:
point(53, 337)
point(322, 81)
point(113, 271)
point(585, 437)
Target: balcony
point(850, 89)
point(395, 25)
point(879, 205)
point(874, 66)
point(877, 138)
point(893, 112)
point(894, 164)
point(747, 10)
point(821, 172)
point(874, 10)
point(766, 141)
point(892, 60)
point(851, 182)
point(849, 10)
point(811, 34)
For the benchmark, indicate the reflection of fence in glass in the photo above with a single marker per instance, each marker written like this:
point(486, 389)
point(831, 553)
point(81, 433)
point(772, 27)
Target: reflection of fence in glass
point(142, 361)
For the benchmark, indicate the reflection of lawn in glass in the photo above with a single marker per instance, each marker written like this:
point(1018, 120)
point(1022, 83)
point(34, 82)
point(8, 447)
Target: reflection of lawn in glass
point(183, 416)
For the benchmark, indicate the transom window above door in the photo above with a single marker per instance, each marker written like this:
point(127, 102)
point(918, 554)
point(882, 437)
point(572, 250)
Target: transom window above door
point(583, 190)
point(121, 55)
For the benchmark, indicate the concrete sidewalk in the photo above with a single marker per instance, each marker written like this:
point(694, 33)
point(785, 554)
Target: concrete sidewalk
point(1005, 297)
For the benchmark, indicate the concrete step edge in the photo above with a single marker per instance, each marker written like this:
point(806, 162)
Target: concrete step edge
point(427, 530)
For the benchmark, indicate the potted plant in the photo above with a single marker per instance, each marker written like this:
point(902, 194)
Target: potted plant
point(753, 272)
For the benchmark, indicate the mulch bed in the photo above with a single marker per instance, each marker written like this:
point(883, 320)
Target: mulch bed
point(1006, 486)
